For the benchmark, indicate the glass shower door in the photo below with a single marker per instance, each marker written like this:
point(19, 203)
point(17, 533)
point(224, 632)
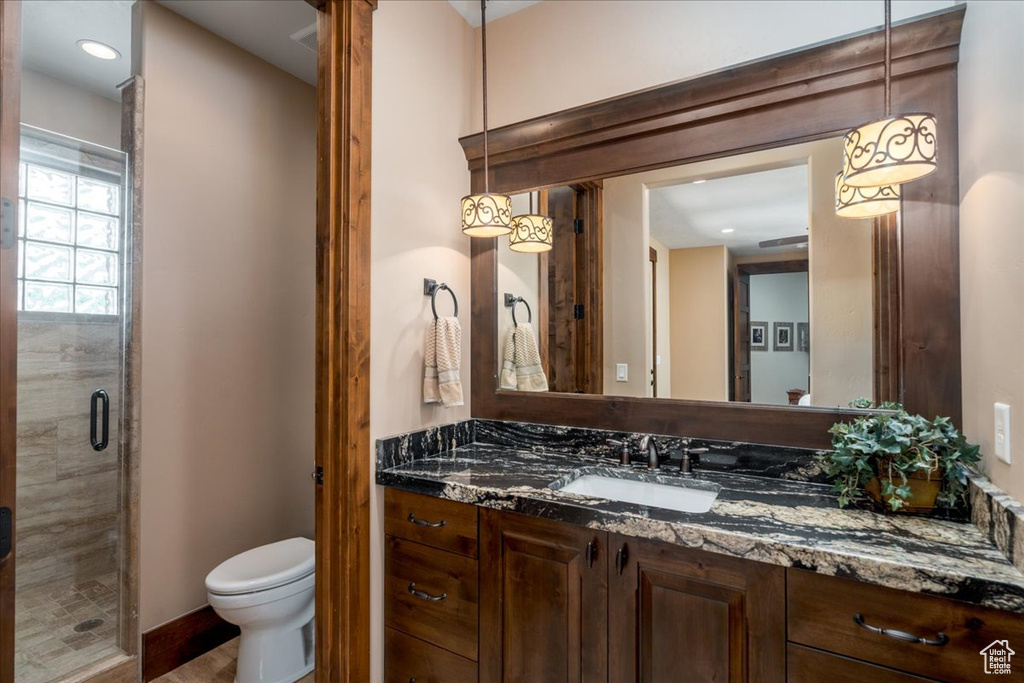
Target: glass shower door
point(71, 319)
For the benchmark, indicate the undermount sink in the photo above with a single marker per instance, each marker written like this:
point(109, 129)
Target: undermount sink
point(649, 489)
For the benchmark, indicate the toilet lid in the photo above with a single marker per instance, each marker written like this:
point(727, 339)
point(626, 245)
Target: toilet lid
point(263, 568)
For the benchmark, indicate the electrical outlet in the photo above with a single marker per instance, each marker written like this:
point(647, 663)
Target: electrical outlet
point(621, 372)
point(1002, 432)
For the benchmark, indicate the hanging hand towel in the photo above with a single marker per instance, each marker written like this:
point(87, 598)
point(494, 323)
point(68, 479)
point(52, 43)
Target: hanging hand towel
point(441, 383)
point(521, 369)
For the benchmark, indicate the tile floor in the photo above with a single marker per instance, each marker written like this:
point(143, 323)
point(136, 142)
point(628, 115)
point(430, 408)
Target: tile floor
point(216, 666)
point(46, 646)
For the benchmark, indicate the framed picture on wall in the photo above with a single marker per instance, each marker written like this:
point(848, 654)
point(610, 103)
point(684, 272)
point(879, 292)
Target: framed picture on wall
point(759, 336)
point(803, 337)
point(783, 337)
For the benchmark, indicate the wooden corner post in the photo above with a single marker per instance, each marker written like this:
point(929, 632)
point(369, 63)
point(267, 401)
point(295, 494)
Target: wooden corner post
point(343, 342)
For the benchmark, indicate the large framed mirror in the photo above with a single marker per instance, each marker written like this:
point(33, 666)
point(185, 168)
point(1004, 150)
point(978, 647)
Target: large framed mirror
point(699, 280)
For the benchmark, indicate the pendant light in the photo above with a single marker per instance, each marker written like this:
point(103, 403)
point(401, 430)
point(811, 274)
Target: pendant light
point(531, 232)
point(893, 150)
point(865, 202)
point(486, 215)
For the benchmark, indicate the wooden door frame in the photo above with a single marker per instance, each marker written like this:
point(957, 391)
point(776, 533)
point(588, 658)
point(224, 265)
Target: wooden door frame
point(343, 534)
point(652, 258)
point(799, 96)
point(10, 135)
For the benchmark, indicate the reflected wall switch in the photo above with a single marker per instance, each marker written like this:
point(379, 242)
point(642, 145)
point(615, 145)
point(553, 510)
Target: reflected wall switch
point(621, 372)
point(657, 359)
point(1002, 432)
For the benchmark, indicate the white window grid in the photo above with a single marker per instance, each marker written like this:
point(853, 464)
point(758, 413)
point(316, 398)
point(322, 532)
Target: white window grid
point(85, 295)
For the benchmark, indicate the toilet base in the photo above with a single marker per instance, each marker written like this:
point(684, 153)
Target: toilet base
point(299, 675)
point(275, 655)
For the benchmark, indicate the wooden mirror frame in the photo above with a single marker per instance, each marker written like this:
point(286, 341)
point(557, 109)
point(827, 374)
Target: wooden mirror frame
point(799, 96)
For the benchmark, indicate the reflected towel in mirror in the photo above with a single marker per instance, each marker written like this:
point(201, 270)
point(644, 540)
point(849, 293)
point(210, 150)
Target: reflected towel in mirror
point(441, 383)
point(521, 369)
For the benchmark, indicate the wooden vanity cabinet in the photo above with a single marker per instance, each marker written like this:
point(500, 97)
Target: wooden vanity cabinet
point(543, 601)
point(677, 614)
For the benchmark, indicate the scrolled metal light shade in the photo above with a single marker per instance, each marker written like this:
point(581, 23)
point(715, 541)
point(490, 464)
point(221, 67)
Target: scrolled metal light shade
point(865, 202)
point(487, 215)
point(531, 233)
point(890, 151)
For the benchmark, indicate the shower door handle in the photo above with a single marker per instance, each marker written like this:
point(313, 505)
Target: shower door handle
point(6, 532)
point(99, 396)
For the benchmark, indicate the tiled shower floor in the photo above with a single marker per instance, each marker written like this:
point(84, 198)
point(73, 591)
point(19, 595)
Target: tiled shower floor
point(46, 645)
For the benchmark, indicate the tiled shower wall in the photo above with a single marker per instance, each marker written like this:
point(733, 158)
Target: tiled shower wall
point(68, 493)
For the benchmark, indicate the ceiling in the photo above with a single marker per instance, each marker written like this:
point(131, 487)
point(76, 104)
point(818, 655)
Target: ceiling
point(262, 27)
point(50, 33)
point(757, 206)
point(496, 9)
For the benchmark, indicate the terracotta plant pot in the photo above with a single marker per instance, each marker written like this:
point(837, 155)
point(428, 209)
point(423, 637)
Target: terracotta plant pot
point(924, 489)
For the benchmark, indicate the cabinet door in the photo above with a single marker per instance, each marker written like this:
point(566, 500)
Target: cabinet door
point(685, 615)
point(543, 601)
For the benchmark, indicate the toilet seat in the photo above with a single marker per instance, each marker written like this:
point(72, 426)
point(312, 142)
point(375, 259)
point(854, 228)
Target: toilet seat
point(265, 568)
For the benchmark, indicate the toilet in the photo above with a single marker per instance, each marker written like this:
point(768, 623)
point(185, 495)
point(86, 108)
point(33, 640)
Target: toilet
point(268, 593)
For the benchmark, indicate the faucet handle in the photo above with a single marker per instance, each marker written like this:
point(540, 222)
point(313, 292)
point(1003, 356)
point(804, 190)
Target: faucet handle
point(624, 458)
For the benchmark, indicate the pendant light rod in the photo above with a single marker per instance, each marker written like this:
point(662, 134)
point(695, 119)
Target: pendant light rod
point(483, 47)
point(888, 69)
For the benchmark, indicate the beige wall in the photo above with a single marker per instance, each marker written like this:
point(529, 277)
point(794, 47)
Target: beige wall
point(228, 308)
point(518, 274)
point(991, 236)
point(555, 55)
point(840, 277)
point(698, 291)
point(626, 285)
point(63, 108)
point(422, 67)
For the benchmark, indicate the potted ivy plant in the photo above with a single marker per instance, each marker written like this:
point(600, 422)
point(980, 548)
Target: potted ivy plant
point(903, 462)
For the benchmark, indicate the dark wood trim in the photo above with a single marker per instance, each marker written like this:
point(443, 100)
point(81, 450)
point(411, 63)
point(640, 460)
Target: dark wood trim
point(772, 267)
point(886, 310)
point(343, 532)
point(10, 107)
point(652, 257)
point(178, 642)
point(590, 288)
point(804, 95)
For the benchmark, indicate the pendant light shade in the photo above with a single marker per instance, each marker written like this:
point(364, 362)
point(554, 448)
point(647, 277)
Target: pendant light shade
point(487, 215)
point(531, 233)
point(865, 202)
point(890, 151)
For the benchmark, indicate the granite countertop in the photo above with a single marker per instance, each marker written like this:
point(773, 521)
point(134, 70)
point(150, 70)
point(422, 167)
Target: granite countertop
point(793, 523)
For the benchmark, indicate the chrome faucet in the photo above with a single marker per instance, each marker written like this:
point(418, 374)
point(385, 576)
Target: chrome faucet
point(649, 446)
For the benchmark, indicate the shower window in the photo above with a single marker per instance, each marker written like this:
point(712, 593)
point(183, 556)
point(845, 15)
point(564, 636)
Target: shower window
point(69, 234)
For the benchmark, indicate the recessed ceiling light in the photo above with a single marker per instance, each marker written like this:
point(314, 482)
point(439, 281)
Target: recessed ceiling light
point(99, 50)
point(802, 246)
point(728, 230)
point(698, 182)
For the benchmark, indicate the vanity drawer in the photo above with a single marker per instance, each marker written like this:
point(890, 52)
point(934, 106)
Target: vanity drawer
point(411, 659)
point(432, 521)
point(821, 612)
point(443, 609)
point(805, 665)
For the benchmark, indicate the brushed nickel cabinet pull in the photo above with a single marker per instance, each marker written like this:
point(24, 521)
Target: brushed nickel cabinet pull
point(423, 595)
point(421, 522)
point(939, 640)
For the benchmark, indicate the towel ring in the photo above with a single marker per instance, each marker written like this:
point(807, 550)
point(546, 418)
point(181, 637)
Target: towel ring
point(529, 313)
point(433, 299)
